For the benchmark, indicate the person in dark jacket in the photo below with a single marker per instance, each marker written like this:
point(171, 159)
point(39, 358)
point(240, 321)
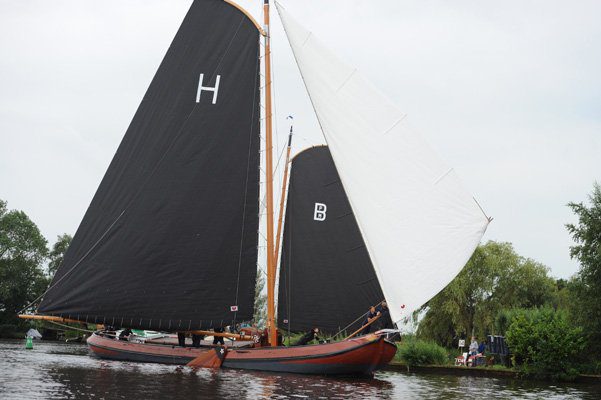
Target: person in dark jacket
point(371, 314)
point(384, 321)
point(181, 339)
point(218, 339)
point(307, 337)
point(125, 333)
point(482, 347)
point(196, 340)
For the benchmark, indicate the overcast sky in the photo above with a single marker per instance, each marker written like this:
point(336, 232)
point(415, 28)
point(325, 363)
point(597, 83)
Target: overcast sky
point(508, 92)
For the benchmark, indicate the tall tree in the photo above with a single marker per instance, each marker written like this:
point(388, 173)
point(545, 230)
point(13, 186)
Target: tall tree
point(57, 254)
point(587, 282)
point(494, 278)
point(22, 253)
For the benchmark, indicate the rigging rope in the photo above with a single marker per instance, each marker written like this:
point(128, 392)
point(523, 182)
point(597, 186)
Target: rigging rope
point(71, 328)
point(252, 121)
point(354, 322)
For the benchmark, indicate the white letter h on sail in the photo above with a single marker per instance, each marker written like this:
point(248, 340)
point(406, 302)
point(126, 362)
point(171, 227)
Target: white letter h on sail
point(215, 89)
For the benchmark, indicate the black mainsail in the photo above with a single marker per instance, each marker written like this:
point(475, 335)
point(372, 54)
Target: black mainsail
point(170, 238)
point(327, 279)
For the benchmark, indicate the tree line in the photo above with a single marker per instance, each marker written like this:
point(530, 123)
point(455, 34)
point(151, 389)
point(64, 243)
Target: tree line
point(27, 265)
point(553, 326)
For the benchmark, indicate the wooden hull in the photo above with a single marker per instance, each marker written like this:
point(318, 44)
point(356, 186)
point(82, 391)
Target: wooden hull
point(362, 355)
point(113, 349)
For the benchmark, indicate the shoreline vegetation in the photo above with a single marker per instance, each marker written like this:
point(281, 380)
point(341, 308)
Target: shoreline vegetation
point(552, 326)
point(419, 356)
point(488, 372)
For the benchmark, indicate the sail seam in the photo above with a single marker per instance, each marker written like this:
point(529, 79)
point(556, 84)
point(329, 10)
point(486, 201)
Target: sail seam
point(395, 124)
point(443, 176)
point(348, 78)
point(307, 39)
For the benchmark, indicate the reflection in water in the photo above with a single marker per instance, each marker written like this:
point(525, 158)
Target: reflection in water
point(66, 371)
point(143, 381)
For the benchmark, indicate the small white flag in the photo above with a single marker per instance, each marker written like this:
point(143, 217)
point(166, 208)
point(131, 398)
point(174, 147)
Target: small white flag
point(233, 308)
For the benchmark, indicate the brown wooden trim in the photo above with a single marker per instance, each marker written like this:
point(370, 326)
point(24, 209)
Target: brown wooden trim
point(222, 334)
point(278, 235)
point(50, 318)
point(254, 21)
point(271, 269)
point(308, 148)
point(364, 326)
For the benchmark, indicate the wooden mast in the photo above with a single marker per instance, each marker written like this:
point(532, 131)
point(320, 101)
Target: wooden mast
point(282, 198)
point(269, 183)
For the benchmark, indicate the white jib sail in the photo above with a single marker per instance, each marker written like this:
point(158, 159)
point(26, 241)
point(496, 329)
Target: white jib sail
point(419, 223)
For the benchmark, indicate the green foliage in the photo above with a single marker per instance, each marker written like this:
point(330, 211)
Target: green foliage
point(419, 352)
point(292, 339)
point(494, 278)
point(57, 254)
point(506, 317)
point(22, 252)
point(586, 285)
point(11, 331)
point(544, 344)
point(260, 315)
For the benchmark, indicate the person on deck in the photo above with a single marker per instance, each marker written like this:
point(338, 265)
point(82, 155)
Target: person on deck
point(196, 340)
point(384, 321)
point(125, 333)
point(181, 339)
point(307, 337)
point(218, 339)
point(371, 314)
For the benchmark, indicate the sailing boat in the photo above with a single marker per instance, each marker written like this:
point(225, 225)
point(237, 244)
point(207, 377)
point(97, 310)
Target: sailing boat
point(170, 240)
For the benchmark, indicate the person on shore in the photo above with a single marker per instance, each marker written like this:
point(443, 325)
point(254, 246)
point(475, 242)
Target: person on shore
point(482, 347)
point(307, 337)
point(473, 346)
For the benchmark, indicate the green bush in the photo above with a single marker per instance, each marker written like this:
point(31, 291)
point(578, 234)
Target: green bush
point(506, 316)
point(11, 331)
point(420, 352)
point(545, 345)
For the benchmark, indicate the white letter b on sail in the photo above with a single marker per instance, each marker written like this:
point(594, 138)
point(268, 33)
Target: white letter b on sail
point(320, 212)
point(215, 89)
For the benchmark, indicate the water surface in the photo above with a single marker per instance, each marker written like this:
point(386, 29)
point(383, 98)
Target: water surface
point(55, 370)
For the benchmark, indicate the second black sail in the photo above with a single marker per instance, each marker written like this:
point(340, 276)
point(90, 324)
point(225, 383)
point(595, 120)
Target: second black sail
point(327, 279)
